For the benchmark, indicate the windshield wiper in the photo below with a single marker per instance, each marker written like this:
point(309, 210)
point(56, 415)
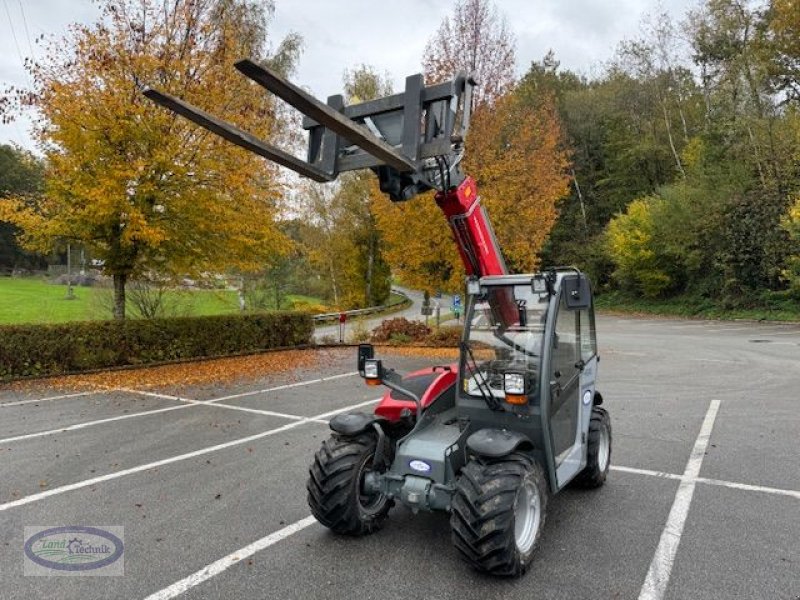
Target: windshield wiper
point(474, 373)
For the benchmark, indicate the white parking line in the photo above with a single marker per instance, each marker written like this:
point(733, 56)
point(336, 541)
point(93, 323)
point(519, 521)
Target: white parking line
point(36, 400)
point(282, 387)
point(215, 403)
point(173, 459)
point(658, 574)
point(28, 436)
point(226, 562)
point(718, 482)
point(647, 472)
point(717, 360)
point(750, 488)
point(269, 413)
point(187, 404)
point(217, 567)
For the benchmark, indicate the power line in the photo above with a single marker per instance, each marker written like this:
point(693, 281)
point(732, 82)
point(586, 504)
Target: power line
point(25, 24)
point(14, 34)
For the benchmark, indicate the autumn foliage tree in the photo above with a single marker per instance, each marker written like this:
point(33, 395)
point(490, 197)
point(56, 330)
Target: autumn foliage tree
point(516, 153)
point(478, 41)
point(514, 150)
point(146, 190)
point(344, 242)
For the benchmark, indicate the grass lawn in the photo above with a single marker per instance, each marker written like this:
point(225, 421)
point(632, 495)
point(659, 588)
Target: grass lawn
point(34, 300)
point(774, 306)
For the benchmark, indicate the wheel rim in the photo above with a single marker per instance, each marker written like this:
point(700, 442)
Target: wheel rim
point(603, 449)
point(527, 516)
point(369, 503)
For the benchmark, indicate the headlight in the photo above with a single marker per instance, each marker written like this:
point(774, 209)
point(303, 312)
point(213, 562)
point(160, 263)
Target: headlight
point(514, 384)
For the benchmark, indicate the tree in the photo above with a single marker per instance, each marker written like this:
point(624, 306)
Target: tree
point(784, 29)
point(478, 41)
point(516, 154)
point(142, 187)
point(514, 150)
point(345, 243)
point(20, 176)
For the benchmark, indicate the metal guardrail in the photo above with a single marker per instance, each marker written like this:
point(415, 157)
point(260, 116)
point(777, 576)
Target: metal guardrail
point(361, 311)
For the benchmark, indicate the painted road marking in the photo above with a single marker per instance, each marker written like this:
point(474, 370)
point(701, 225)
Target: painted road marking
point(655, 584)
point(281, 387)
point(718, 482)
point(63, 396)
point(28, 436)
point(173, 459)
point(718, 360)
point(269, 413)
point(647, 472)
point(187, 402)
point(224, 563)
point(750, 488)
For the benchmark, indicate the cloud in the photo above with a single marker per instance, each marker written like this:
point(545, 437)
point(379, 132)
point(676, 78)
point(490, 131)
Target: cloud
point(390, 35)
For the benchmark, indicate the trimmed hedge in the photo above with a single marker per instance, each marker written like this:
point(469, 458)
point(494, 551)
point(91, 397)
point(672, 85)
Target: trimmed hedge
point(39, 350)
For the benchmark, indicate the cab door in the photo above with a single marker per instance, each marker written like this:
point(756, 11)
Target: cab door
point(565, 386)
point(571, 369)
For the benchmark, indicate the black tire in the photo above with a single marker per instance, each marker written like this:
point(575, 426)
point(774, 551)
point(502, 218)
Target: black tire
point(334, 486)
point(483, 519)
point(594, 473)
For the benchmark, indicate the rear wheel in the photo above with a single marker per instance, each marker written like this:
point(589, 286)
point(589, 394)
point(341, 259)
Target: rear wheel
point(336, 486)
point(598, 453)
point(498, 513)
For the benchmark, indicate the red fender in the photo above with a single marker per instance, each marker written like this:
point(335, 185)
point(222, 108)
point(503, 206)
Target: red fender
point(391, 408)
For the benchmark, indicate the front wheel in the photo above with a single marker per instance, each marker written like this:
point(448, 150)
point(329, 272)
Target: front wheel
point(335, 486)
point(498, 514)
point(598, 451)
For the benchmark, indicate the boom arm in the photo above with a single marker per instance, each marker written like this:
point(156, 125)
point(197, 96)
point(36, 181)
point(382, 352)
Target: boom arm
point(413, 141)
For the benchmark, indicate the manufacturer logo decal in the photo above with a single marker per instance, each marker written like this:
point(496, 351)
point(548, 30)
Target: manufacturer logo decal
point(420, 465)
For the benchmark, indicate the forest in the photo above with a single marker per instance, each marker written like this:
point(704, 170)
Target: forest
point(671, 173)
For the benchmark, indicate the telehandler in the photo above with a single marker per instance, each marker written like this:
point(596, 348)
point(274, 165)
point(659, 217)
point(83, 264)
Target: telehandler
point(491, 438)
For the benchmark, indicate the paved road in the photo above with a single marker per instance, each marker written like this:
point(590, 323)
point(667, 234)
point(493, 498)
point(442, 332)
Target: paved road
point(412, 313)
point(211, 493)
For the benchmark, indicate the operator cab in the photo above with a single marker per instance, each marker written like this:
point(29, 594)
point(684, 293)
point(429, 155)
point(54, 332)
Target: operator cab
point(503, 344)
point(529, 363)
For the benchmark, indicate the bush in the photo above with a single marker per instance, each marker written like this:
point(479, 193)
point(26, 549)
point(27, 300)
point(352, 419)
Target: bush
point(39, 350)
point(630, 244)
point(400, 328)
point(448, 336)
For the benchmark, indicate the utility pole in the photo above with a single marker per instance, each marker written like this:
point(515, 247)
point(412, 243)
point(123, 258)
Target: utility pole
point(70, 292)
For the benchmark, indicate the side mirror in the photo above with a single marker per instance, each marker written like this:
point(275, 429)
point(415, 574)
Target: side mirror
point(365, 352)
point(578, 293)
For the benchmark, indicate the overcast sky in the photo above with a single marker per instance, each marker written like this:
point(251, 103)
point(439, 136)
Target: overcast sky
point(387, 34)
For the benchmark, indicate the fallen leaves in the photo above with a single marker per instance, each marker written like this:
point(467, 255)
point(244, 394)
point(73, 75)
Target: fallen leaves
point(206, 372)
point(420, 351)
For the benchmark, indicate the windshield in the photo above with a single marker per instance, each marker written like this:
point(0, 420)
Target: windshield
point(505, 335)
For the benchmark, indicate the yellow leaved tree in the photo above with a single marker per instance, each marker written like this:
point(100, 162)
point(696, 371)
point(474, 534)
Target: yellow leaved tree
point(514, 149)
point(145, 189)
point(515, 152)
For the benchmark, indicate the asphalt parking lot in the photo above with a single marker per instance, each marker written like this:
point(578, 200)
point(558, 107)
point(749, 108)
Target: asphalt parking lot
point(209, 483)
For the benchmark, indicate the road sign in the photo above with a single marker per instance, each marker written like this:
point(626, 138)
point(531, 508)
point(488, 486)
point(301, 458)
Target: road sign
point(456, 301)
